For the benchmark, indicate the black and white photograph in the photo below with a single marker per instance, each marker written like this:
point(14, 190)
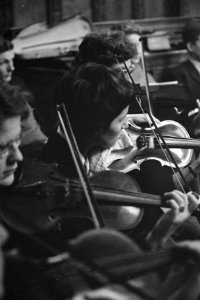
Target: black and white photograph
point(99, 150)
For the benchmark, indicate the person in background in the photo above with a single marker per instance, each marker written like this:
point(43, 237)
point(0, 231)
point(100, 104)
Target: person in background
point(188, 74)
point(32, 136)
point(111, 49)
point(11, 112)
point(138, 74)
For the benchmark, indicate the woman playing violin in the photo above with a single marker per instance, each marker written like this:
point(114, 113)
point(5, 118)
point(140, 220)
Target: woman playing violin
point(112, 49)
point(11, 110)
point(98, 118)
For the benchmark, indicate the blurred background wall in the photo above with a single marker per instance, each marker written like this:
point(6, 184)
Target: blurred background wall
point(17, 14)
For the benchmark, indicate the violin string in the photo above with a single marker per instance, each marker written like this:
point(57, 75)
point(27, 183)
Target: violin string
point(143, 196)
point(190, 142)
point(125, 193)
point(168, 150)
point(76, 184)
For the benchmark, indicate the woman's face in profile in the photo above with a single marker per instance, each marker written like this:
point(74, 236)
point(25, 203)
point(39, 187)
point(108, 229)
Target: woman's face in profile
point(109, 137)
point(10, 154)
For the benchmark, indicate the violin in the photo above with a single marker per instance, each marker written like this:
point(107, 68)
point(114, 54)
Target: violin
point(43, 203)
point(176, 137)
point(54, 200)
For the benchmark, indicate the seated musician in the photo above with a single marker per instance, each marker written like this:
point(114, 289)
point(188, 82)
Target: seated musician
point(102, 48)
point(22, 279)
point(12, 110)
point(138, 75)
point(98, 117)
point(187, 73)
point(32, 135)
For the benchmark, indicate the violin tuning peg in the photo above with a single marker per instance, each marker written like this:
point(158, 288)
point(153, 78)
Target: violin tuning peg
point(141, 141)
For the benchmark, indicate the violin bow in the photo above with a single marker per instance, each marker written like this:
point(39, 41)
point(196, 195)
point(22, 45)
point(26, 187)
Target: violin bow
point(139, 101)
point(70, 138)
point(145, 77)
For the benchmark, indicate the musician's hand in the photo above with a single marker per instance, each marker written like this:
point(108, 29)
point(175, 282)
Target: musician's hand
point(182, 206)
point(141, 119)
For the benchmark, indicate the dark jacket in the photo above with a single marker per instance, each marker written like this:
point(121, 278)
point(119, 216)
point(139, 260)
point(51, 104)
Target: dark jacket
point(187, 74)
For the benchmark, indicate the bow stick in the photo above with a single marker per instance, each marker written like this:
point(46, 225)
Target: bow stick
point(70, 138)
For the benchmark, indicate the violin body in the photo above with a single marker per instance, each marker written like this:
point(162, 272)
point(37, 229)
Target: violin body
point(26, 206)
point(118, 217)
point(177, 139)
point(45, 199)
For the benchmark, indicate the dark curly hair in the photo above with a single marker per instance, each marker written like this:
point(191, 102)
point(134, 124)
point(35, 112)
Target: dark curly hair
point(12, 102)
point(5, 44)
point(191, 31)
point(103, 47)
point(100, 95)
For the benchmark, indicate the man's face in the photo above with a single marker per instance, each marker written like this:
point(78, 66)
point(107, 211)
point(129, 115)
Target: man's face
point(6, 65)
point(194, 49)
point(130, 66)
point(10, 155)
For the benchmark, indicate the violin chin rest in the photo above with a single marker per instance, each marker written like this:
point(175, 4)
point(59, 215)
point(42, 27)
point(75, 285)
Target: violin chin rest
point(102, 243)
